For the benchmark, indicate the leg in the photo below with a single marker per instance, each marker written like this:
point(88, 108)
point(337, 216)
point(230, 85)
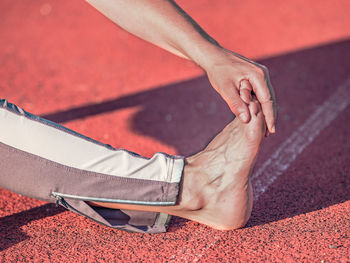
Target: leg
point(216, 188)
point(47, 161)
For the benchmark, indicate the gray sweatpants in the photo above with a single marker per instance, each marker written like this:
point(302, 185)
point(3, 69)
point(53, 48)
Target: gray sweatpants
point(44, 160)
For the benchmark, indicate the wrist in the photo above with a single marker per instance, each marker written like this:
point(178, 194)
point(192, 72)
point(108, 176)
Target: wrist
point(207, 54)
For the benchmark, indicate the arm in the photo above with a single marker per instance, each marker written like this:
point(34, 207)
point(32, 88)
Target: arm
point(165, 24)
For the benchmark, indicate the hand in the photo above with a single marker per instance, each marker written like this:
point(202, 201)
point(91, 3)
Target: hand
point(234, 77)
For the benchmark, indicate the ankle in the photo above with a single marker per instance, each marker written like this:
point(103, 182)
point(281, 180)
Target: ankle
point(192, 186)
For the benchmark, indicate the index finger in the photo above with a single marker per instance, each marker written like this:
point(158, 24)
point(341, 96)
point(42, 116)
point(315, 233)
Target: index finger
point(264, 92)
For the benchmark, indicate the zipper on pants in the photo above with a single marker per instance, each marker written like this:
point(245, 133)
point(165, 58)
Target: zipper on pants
point(109, 200)
point(58, 200)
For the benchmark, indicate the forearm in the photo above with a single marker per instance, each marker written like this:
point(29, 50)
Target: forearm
point(163, 23)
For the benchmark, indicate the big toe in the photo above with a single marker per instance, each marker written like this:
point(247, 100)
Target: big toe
point(256, 127)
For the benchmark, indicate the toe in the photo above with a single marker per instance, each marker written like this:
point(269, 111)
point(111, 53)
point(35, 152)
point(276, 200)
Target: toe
point(256, 128)
point(254, 108)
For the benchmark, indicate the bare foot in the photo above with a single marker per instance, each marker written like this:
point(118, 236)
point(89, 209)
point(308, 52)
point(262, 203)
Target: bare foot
point(216, 187)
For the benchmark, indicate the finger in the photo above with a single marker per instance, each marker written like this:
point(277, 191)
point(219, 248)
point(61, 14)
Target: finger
point(245, 95)
point(267, 109)
point(254, 99)
point(237, 105)
point(245, 91)
point(264, 92)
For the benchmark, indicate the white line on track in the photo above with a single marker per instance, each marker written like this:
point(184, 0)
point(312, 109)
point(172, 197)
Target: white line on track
point(300, 139)
point(284, 156)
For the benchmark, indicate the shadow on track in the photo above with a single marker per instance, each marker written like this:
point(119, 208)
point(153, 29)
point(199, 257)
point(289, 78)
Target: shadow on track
point(10, 232)
point(188, 114)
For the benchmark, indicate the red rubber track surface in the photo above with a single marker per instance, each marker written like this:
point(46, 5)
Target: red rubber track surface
point(65, 61)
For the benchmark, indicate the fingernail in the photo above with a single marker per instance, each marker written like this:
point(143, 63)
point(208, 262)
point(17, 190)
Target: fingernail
point(273, 129)
point(243, 117)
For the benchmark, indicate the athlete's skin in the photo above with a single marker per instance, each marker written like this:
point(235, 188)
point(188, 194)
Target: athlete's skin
point(216, 188)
